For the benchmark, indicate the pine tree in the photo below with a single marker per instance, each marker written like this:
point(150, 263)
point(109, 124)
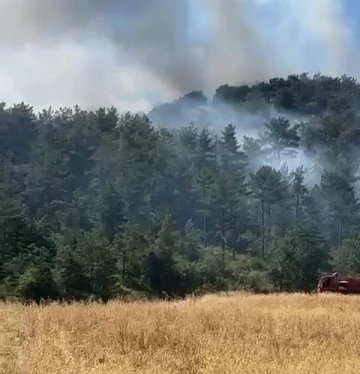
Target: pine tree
point(206, 150)
point(297, 262)
point(268, 188)
point(191, 242)
point(342, 204)
point(231, 156)
point(299, 190)
point(189, 137)
point(130, 246)
point(253, 151)
point(280, 136)
point(160, 265)
point(347, 257)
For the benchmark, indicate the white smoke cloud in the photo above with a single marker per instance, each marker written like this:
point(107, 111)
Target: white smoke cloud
point(323, 22)
point(70, 74)
point(130, 54)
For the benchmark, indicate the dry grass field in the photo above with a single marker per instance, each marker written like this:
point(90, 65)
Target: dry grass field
point(233, 333)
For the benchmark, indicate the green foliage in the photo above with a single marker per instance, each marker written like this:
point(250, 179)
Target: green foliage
point(347, 257)
point(190, 242)
point(129, 247)
point(86, 266)
point(297, 262)
point(95, 202)
point(299, 191)
point(36, 283)
point(280, 136)
point(268, 188)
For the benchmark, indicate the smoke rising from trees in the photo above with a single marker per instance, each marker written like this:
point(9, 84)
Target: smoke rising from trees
point(130, 54)
point(94, 201)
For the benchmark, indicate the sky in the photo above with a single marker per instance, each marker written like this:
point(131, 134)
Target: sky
point(135, 54)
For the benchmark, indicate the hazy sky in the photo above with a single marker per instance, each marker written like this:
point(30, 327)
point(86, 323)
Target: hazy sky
point(132, 54)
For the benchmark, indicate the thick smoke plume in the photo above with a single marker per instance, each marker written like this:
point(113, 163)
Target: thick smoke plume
point(132, 53)
point(147, 35)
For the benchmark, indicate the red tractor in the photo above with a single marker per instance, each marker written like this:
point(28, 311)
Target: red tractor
point(335, 283)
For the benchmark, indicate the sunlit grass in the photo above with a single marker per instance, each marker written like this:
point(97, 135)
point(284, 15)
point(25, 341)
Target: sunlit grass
point(234, 333)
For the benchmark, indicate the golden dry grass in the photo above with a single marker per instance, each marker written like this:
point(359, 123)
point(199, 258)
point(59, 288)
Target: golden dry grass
point(215, 334)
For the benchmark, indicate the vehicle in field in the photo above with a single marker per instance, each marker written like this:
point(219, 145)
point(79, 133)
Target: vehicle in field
point(339, 284)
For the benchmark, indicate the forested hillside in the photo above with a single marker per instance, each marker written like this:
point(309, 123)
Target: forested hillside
point(256, 188)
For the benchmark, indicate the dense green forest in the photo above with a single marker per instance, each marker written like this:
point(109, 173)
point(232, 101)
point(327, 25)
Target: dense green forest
point(174, 202)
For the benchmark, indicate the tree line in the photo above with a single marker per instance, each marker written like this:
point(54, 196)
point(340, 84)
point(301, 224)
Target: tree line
point(105, 203)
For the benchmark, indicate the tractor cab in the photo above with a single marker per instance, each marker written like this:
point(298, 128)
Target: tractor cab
point(328, 283)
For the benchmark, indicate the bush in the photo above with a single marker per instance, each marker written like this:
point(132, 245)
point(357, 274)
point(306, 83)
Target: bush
point(36, 283)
